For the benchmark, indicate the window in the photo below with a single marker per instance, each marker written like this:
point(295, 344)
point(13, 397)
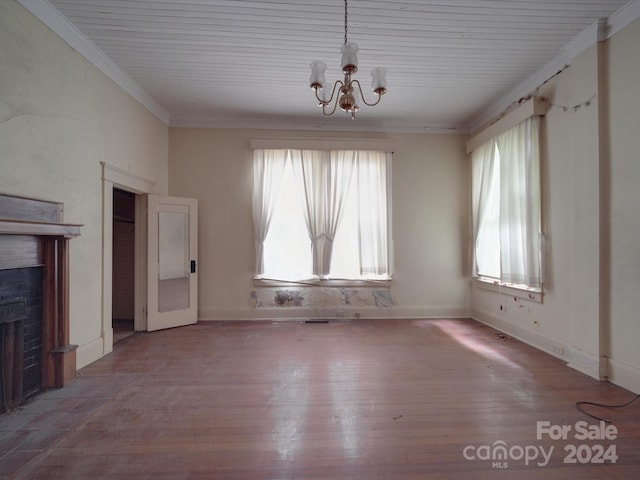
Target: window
point(506, 207)
point(322, 214)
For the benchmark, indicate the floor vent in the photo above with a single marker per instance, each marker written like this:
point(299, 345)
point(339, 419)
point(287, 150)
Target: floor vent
point(316, 321)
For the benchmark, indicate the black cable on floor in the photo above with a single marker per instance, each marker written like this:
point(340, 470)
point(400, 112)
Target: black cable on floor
point(579, 405)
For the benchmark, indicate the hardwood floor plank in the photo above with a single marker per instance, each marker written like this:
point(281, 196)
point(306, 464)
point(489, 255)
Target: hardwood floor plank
point(383, 399)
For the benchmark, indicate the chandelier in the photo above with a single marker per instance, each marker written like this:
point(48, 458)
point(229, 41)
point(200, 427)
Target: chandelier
point(345, 91)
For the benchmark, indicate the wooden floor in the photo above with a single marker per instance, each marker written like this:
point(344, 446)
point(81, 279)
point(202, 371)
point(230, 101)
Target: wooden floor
point(359, 400)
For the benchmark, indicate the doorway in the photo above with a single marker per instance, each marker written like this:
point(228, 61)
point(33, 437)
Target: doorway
point(123, 264)
point(117, 179)
point(136, 190)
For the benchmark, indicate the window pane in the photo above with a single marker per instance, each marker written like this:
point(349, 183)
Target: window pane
point(287, 248)
point(345, 261)
point(488, 241)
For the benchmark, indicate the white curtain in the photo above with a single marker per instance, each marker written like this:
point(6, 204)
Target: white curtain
point(338, 180)
point(268, 169)
point(520, 204)
point(372, 174)
point(309, 173)
point(486, 246)
point(324, 179)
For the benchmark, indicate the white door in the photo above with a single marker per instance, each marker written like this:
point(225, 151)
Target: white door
point(172, 285)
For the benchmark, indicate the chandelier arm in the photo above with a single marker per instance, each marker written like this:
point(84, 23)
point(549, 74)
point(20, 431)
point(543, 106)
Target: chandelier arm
point(362, 95)
point(320, 100)
point(331, 99)
point(333, 110)
point(333, 91)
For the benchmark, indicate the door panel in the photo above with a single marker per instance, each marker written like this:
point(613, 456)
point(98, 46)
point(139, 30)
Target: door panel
point(172, 287)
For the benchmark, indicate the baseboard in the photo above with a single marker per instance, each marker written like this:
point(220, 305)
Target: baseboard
point(625, 376)
point(588, 363)
point(584, 362)
point(89, 353)
point(540, 341)
point(338, 313)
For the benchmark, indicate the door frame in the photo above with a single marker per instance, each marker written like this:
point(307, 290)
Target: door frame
point(115, 177)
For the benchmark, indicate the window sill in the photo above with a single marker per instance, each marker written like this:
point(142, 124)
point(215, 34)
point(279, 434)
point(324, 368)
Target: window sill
point(517, 291)
point(268, 282)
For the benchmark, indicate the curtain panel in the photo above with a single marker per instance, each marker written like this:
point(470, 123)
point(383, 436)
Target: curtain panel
point(374, 169)
point(520, 203)
point(268, 169)
point(506, 206)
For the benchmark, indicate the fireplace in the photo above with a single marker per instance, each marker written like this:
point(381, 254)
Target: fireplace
point(20, 335)
point(34, 320)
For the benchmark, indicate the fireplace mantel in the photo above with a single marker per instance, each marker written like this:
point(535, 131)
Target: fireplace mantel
point(33, 233)
point(25, 227)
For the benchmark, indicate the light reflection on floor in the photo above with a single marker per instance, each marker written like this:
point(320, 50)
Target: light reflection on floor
point(344, 380)
point(288, 404)
point(460, 333)
point(291, 396)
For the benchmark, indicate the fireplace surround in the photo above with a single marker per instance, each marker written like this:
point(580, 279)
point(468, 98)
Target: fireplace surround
point(33, 235)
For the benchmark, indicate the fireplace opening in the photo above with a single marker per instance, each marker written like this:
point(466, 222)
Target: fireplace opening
point(20, 335)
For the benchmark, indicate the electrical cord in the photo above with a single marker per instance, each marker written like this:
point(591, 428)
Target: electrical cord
point(579, 407)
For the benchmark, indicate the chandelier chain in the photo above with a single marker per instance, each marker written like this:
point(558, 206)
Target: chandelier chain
point(345, 22)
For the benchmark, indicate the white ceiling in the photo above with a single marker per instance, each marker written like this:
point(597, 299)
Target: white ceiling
point(245, 63)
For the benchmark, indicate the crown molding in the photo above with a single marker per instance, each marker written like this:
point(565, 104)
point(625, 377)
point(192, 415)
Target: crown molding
point(623, 17)
point(533, 106)
point(600, 30)
point(52, 18)
point(315, 124)
point(576, 46)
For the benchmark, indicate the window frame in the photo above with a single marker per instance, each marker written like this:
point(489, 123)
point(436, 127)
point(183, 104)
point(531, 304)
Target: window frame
point(262, 279)
point(488, 146)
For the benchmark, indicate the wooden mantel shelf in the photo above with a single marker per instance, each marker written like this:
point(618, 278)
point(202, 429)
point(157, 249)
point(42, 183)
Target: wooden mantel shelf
point(25, 227)
point(33, 233)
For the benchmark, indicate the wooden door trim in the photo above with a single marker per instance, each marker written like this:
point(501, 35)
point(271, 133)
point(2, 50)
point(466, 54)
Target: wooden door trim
point(114, 177)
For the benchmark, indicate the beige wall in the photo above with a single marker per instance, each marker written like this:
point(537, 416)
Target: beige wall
point(624, 113)
point(59, 118)
point(566, 323)
point(586, 319)
point(430, 217)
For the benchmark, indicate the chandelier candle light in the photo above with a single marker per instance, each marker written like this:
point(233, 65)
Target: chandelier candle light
point(343, 91)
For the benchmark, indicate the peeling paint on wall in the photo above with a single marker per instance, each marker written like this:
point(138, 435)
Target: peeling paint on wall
point(289, 297)
point(383, 298)
point(253, 295)
point(320, 297)
point(346, 295)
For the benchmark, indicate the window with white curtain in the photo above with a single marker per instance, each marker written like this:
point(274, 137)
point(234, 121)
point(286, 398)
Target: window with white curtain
point(322, 214)
point(506, 207)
